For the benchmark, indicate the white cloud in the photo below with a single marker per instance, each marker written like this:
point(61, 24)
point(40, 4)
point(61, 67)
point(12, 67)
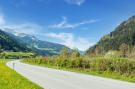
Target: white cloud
point(64, 24)
point(2, 20)
point(67, 39)
point(27, 28)
point(71, 41)
point(76, 2)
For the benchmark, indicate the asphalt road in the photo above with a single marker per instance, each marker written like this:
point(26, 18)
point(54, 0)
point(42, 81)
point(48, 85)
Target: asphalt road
point(57, 79)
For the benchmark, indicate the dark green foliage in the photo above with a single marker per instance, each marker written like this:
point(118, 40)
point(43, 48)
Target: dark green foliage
point(124, 33)
point(7, 43)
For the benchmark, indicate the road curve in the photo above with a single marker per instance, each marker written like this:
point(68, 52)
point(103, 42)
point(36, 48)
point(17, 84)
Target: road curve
point(57, 79)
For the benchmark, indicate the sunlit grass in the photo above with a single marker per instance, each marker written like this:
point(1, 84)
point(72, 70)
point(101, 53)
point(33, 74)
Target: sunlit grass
point(10, 79)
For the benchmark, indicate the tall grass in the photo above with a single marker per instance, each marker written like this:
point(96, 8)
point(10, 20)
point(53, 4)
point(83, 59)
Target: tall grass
point(9, 79)
point(114, 67)
point(120, 65)
point(119, 68)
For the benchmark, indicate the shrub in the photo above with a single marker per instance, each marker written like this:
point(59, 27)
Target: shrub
point(119, 65)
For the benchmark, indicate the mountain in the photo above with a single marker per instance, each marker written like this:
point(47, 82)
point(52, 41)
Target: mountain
point(38, 46)
point(41, 47)
point(123, 34)
point(8, 43)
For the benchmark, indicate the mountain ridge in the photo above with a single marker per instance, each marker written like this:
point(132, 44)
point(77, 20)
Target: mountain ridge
point(123, 34)
point(8, 43)
point(37, 46)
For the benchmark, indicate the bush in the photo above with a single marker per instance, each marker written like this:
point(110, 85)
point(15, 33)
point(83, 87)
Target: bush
point(119, 65)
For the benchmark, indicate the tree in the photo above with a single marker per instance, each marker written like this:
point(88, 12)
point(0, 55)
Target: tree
point(98, 50)
point(132, 52)
point(75, 54)
point(64, 53)
point(124, 49)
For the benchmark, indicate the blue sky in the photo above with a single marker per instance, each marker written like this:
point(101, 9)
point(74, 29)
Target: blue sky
point(74, 23)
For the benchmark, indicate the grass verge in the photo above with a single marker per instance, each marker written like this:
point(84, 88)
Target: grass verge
point(9, 79)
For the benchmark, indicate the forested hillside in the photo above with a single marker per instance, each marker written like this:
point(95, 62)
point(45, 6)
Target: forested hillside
point(123, 37)
point(7, 43)
point(36, 45)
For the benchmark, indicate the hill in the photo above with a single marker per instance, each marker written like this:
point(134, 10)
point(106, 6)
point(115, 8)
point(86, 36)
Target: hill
point(123, 34)
point(8, 43)
point(38, 46)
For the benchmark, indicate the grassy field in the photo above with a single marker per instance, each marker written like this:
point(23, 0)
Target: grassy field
point(10, 79)
point(17, 53)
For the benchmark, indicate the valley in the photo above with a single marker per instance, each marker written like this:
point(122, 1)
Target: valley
point(67, 44)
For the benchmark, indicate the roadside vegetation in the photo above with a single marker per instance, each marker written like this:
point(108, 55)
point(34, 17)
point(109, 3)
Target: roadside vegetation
point(9, 79)
point(16, 55)
point(113, 64)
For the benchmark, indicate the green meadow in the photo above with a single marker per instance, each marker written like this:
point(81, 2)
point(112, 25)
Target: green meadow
point(10, 79)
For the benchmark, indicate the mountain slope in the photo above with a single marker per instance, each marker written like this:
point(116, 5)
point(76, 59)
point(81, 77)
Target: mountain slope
point(9, 44)
point(124, 33)
point(42, 47)
point(38, 46)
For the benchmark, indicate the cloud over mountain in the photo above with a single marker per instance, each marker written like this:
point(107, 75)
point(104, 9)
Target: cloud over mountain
point(71, 41)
